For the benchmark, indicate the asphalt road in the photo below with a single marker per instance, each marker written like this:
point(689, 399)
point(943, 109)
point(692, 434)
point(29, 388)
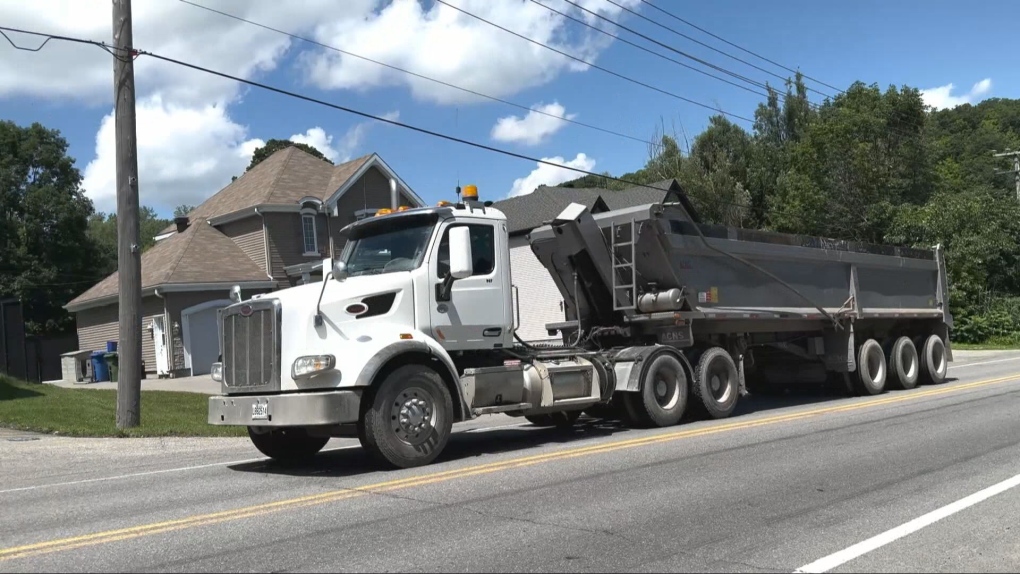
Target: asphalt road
point(923, 480)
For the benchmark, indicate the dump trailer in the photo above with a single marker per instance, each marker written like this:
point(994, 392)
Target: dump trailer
point(414, 328)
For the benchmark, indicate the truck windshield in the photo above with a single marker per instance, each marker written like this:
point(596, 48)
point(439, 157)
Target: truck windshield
point(390, 245)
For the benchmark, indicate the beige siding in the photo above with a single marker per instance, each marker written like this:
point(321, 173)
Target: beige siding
point(248, 235)
point(372, 191)
point(538, 297)
point(286, 241)
point(98, 325)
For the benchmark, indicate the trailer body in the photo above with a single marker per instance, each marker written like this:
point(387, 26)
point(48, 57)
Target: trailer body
point(415, 327)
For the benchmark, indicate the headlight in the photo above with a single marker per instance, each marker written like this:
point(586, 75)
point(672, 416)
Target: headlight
point(310, 365)
point(217, 372)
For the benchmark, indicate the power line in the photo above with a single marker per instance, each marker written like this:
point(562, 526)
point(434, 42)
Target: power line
point(654, 53)
point(675, 17)
point(417, 75)
point(784, 96)
point(654, 41)
point(367, 115)
point(682, 35)
point(597, 67)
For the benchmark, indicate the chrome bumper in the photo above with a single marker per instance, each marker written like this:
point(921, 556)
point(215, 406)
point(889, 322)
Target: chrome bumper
point(291, 409)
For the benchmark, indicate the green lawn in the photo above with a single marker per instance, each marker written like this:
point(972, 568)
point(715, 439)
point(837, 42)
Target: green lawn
point(93, 413)
point(985, 346)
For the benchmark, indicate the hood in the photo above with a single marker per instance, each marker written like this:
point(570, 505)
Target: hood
point(381, 294)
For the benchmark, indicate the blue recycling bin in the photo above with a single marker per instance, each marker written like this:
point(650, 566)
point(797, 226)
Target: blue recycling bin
point(111, 346)
point(100, 370)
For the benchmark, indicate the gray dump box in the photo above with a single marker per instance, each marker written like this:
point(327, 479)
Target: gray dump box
point(655, 265)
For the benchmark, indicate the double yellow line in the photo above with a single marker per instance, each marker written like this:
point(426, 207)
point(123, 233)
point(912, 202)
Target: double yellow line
point(71, 543)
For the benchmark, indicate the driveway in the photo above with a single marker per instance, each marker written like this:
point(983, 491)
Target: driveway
point(202, 384)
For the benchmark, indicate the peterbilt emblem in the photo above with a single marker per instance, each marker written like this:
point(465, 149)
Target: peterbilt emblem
point(246, 310)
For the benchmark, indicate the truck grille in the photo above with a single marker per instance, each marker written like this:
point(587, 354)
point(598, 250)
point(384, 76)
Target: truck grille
point(251, 346)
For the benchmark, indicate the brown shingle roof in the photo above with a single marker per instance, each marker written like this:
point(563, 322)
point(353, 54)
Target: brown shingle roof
point(200, 254)
point(283, 178)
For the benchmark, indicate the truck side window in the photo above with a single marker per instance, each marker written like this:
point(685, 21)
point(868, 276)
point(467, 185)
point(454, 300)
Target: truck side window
point(483, 249)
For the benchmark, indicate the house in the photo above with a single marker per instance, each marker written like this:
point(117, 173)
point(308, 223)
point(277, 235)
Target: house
point(271, 228)
point(540, 300)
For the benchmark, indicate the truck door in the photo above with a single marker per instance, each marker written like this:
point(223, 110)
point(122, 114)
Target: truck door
point(474, 316)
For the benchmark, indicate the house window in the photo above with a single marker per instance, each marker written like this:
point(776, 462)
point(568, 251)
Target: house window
point(311, 241)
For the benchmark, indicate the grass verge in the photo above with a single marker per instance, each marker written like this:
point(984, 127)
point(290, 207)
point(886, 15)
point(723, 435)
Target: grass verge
point(93, 412)
point(985, 346)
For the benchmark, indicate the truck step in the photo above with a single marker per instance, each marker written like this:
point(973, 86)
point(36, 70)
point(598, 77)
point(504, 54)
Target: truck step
point(501, 409)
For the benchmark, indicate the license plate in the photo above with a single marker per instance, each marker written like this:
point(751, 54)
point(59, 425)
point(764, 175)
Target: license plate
point(260, 411)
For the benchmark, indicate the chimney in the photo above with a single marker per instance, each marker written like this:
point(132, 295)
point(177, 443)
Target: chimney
point(182, 223)
point(394, 197)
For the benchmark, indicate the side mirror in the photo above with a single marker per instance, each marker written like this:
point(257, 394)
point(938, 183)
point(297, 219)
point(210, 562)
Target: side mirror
point(460, 253)
point(339, 270)
point(235, 293)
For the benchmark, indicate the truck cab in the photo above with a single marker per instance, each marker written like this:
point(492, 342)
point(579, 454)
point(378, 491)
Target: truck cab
point(412, 291)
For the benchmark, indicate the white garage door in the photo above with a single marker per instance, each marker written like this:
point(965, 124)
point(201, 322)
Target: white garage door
point(202, 338)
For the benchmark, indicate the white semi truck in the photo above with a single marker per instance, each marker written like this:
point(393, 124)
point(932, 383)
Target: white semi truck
point(414, 328)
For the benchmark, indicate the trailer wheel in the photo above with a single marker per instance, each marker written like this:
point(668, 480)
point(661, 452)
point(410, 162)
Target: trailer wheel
point(409, 421)
point(662, 399)
point(872, 370)
point(289, 445)
point(933, 361)
point(716, 383)
point(904, 366)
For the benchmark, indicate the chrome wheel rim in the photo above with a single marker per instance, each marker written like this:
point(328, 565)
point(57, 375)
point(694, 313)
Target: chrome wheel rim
point(413, 415)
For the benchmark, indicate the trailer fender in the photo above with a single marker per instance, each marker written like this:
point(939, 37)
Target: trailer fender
point(631, 363)
point(423, 350)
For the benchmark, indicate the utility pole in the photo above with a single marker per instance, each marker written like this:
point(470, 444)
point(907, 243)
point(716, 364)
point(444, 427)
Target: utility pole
point(129, 270)
point(1016, 169)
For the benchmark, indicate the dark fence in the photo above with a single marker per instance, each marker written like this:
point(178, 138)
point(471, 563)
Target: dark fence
point(28, 357)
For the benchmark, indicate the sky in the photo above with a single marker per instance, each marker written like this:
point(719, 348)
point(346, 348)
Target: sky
point(196, 130)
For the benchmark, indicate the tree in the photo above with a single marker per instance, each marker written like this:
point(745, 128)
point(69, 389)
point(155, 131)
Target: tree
point(102, 231)
point(46, 258)
point(183, 210)
point(274, 145)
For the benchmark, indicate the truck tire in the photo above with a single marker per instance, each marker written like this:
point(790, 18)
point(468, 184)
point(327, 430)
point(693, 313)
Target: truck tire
point(934, 366)
point(904, 365)
point(716, 383)
point(872, 369)
point(289, 445)
point(561, 420)
point(409, 419)
point(662, 399)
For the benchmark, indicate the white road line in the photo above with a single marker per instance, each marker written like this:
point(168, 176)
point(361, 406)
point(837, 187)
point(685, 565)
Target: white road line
point(861, 548)
point(954, 367)
point(152, 472)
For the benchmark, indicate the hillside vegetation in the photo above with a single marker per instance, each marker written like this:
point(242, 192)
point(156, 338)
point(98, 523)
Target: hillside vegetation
point(868, 165)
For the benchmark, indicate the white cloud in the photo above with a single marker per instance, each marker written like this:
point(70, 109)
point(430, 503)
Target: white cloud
point(349, 144)
point(185, 154)
point(84, 74)
point(545, 174)
point(453, 47)
point(533, 128)
point(941, 98)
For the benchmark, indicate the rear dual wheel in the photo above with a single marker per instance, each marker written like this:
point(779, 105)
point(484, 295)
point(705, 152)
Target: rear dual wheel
point(662, 397)
point(934, 363)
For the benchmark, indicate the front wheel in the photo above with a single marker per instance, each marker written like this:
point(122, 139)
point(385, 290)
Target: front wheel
point(409, 421)
point(290, 445)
